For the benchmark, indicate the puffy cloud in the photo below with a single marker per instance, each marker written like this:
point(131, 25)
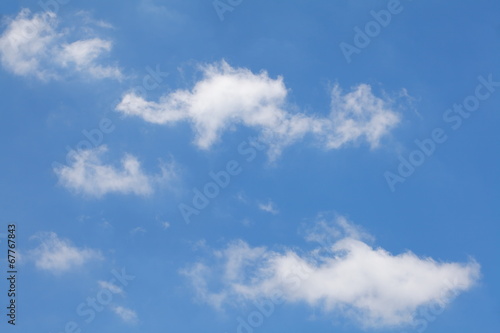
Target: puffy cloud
point(89, 175)
point(83, 55)
point(346, 278)
point(127, 315)
point(32, 45)
point(58, 255)
point(227, 96)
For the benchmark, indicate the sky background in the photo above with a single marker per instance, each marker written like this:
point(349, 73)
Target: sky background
point(74, 229)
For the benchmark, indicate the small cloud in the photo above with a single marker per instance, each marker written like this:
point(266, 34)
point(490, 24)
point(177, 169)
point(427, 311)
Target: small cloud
point(89, 175)
point(33, 45)
point(127, 315)
point(83, 218)
point(246, 222)
point(88, 20)
point(156, 12)
point(58, 255)
point(200, 245)
point(105, 224)
point(137, 231)
point(111, 287)
point(269, 207)
point(165, 225)
point(241, 197)
point(327, 229)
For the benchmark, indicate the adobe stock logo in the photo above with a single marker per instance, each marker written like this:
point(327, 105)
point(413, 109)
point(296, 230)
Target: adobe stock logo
point(95, 137)
point(265, 306)
point(373, 28)
point(452, 116)
point(87, 311)
point(223, 6)
point(219, 180)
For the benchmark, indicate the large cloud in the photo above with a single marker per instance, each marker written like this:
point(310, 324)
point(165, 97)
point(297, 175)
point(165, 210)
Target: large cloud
point(88, 174)
point(227, 96)
point(347, 278)
point(32, 45)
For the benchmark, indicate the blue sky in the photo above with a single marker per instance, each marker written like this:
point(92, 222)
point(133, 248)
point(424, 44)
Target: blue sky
point(228, 166)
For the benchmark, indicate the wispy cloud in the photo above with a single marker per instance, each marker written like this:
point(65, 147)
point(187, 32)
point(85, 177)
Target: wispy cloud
point(34, 45)
point(58, 255)
point(269, 207)
point(88, 20)
point(138, 230)
point(227, 96)
point(125, 314)
point(346, 278)
point(89, 175)
point(111, 287)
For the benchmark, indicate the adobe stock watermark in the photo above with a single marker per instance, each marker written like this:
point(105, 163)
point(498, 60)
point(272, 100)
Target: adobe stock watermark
point(454, 117)
point(430, 313)
point(87, 310)
point(223, 6)
point(219, 180)
point(150, 81)
point(32, 27)
point(95, 137)
point(265, 306)
point(363, 37)
point(52, 6)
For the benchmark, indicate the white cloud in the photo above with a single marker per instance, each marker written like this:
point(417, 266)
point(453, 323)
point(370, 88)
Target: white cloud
point(111, 287)
point(127, 315)
point(32, 45)
point(325, 233)
point(59, 255)
point(88, 20)
point(348, 278)
point(227, 96)
point(89, 175)
point(138, 230)
point(269, 207)
point(83, 55)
